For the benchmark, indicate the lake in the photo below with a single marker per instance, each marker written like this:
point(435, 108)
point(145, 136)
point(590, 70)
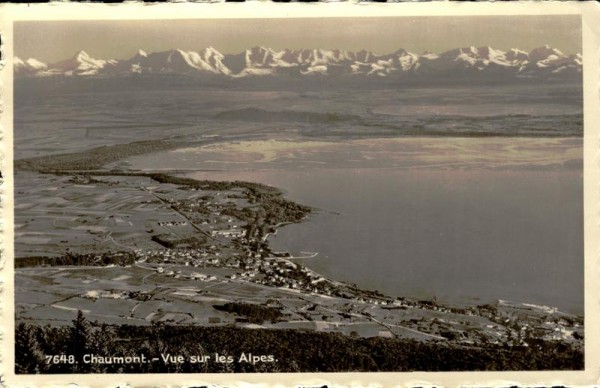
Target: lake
point(466, 194)
point(462, 220)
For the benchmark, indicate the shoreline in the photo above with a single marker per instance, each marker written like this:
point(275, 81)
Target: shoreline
point(162, 177)
point(310, 300)
point(145, 147)
point(264, 295)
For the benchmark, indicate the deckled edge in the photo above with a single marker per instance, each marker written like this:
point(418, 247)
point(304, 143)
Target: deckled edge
point(592, 231)
point(4, 69)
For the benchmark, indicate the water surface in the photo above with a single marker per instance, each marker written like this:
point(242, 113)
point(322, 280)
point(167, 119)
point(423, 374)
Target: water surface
point(464, 220)
point(467, 236)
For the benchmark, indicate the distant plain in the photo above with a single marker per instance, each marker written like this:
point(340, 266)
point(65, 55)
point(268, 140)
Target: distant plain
point(468, 193)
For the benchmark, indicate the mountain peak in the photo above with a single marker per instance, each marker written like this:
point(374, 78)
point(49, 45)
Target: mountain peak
point(401, 51)
point(469, 50)
point(210, 51)
point(266, 63)
point(35, 64)
point(259, 49)
point(544, 52)
point(515, 54)
point(81, 55)
point(486, 49)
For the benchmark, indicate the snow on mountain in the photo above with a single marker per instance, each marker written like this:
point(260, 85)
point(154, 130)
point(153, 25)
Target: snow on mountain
point(28, 67)
point(544, 53)
point(214, 59)
point(318, 69)
point(80, 64)
point(455, 60)
point(489, 56)
point(264, 58)
point(546, 60)
point(261, 57)
point(250, 71)
point(320, 57)
point(515, 55)
point(262, 61)
point(132, 65)
point(399, 61)
point(173, 62)
point(35, 64)
point(362, 56)
point(464, 59)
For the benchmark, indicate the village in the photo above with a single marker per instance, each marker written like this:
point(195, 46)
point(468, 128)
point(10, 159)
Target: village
point(197, 253)
point(195, 286)
point(270, 271)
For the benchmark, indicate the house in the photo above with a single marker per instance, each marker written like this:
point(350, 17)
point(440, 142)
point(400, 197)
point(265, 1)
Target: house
point(227, 233)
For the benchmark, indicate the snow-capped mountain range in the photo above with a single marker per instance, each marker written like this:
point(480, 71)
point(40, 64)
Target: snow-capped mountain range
point(542, 62)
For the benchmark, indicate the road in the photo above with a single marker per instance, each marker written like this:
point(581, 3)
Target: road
point(166, 203)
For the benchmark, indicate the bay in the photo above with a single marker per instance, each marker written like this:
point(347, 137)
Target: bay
point(462, 237)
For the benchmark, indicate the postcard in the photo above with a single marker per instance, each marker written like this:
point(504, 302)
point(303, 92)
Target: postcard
point(300, 194)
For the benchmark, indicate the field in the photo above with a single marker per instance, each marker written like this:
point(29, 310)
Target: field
point(172, 293)
point(59, 214)
point(125, 230)
point(199, 247)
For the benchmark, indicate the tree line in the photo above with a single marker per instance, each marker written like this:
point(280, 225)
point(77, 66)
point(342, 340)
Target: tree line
point(254, 313)
point(76, 259)
point(294, 350)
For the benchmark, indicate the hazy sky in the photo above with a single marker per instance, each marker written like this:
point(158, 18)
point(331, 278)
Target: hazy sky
point(57, 40)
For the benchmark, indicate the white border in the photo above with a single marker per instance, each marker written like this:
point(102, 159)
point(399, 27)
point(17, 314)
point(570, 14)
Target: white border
point(590, 13)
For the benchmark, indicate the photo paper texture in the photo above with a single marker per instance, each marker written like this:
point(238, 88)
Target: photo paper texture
point(308, 194)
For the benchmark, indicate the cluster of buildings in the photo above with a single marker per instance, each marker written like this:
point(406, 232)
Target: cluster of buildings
point(509, 324)
point(172, 223)
point(206, 211)
point(285, 274)
point(233, 233)
point(270, 271)
point(191, 256)
point(209, 216)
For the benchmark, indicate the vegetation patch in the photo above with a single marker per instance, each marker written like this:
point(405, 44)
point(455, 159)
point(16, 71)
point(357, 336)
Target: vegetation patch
point(292, 351)
point(252, 312)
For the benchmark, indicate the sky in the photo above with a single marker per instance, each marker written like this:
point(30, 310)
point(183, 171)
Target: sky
point(52, 41)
